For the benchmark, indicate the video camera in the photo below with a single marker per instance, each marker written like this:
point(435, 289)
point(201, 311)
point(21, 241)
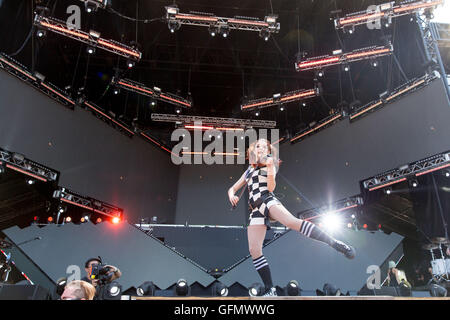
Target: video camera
point(101, 272)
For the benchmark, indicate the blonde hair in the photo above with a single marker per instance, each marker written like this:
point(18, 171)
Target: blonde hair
point(82, 289)
point(251, 155)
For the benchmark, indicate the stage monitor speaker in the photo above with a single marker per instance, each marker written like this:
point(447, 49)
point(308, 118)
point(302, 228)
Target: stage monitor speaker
point(23, 292)
point(383, 291)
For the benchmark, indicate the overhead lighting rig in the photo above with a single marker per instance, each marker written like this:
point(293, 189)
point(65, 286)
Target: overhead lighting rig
point(386, 97)
point(154, 92)
point(386, 11)
point(36, 80)
point(278, 99)
point(339, 58)
point(221, 124)
point(222, 25)
point(318, 126)
point(89, 204)
point(92, 38)
point(412, 170)
point(17, 162)
point(93, 5)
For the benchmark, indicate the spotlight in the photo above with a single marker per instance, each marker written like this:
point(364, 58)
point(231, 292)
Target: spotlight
point(320, 73)
point(329, 290)
point(41, 33)
point(413, 183)
point(292, 288)
point(255, 290)
point(30, 182)
point(257, 113)
point(115, 220)
point(153, 102)
point(331, 222)
point(116, 91)
point(219, 290)
point(111, 291)
point(225, 31)
point(98, 220)
point(346, 68)
point(90, 7)
point(90, 50)
point(61, 209)
point(265, 34)
point(146, 289)
point(446, 173)
point(213, 30)
point(182, 288)
point(281, 108)
point(60, 286)
point(50, 219)
point(178, 110)
point(349, 225)
point(304, 104)
point(388, 190)
point(374, 63)
point(68, 219)
point(173, 26)
point(130, 64)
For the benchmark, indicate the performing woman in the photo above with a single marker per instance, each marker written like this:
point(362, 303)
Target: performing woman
point(265, 208)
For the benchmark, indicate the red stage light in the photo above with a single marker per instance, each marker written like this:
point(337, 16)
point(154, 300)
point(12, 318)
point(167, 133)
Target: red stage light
point(365, 226)
point(115, 220)
point(36, 218)
point(68, 219)
point(50, 219)
point(99, 220)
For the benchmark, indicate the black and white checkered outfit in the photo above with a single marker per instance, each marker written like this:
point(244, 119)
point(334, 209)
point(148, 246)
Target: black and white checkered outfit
point(259, 198)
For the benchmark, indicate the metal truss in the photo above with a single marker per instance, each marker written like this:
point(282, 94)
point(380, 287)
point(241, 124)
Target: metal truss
point(155, 93)
point(415, 169)
point(279, 99)
point(226, 122)
point(18, 162)
point(321, 62)
point(90, 204)
point(319, 126)
point(97, 3)
point(386, 11)
point(92, 38)
point(37, 81)
point(400, 91)
point(336, 207)
point(209, 20)
point(109, 119)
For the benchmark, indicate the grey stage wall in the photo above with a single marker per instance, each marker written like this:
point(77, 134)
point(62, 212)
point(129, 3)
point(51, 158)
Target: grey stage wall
point(329, 165)
point(139, 257)
point(202, 195)
point(94, 159)
point(312, 263)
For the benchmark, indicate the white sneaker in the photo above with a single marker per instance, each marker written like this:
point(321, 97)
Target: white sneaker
point(272, 292)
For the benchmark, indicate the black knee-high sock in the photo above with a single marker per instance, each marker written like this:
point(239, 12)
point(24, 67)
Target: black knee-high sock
point(314, 232)
point(263, 269)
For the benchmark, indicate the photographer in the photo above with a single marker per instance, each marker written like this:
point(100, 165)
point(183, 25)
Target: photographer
point(100, 274)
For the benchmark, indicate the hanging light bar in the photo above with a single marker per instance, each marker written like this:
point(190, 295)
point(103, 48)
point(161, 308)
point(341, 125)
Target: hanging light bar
point(222, 124)
point(279, 99)
point(92, 38)
point(98, 111)
point(154, 93)
point(344, 58)
point(386, 11)
point(175, 19)
point(160, 145)
point(318, 126)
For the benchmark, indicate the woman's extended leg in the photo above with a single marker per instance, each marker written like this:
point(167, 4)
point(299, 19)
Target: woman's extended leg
point(256, 235)
point(281, 214)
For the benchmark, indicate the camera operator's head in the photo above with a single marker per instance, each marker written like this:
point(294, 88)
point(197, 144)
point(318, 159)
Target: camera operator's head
point(99, 273)
point(78, 290)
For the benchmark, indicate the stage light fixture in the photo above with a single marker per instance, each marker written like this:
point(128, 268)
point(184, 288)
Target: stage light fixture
point(292, 288)
point(446, 173)
point(41, 33)
point(130, 64)
point(320, 73)
point(116, 91)
point(30, 182)
point(331, 221)
point(90, 50)
point(173, 25)
point(255, 290)
point(148, 288)
point(331, 290)
point(50, 219)
point(68, 219)
point(98, 220)
point(182, 288)
point(115, 220)
point(178, 110)
point(265, 34)
point(219, 290)
point(346, 68)
point(281, 108)
point(388, 191)
point(304, 104)
point(111, 291)
point(224, 30)
point(414, 183)
point(213, 30)
point(257, 113)
point(90, 7)
point(374, 63)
